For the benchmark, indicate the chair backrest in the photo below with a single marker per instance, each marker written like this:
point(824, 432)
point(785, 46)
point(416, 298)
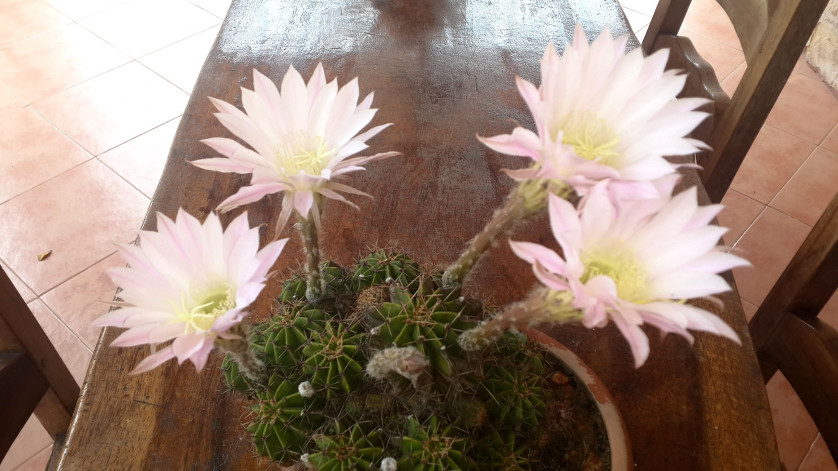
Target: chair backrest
point(33, 378)
point(788, 335)
point(772, 34)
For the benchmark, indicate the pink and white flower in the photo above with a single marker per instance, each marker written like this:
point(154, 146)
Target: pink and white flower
point(637, 264)
point(190, 283)
point(603, 114)
point(300, 141)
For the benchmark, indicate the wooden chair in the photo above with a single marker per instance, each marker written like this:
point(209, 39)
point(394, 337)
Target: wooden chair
point(772, 34)
point(33, 378)
point(788, 335)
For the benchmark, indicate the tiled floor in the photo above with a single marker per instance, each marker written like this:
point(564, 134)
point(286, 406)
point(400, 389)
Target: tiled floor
point(90, 97)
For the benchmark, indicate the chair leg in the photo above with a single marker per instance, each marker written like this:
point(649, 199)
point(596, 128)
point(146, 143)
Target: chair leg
point(21, 388)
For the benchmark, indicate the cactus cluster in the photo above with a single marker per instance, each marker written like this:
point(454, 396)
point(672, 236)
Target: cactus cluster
point(372, 377)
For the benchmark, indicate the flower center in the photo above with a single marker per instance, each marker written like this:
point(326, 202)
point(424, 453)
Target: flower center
point(591, 137)
point(302, 152)
point(620, 264)
point(210, 307)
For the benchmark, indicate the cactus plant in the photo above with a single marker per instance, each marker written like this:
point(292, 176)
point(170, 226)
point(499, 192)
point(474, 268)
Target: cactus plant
point(423, 404)
point(430, 447)
point(332, 358)
point(356, 449)
point(381, 266)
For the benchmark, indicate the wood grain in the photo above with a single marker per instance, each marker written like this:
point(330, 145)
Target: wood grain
point(443, 71)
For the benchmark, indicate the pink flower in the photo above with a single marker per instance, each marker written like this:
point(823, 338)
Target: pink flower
point(636, 265)
point(188, 282)
point(603, 114)
point(300, 141)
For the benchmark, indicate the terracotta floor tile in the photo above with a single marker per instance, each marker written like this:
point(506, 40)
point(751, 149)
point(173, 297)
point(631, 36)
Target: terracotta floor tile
point(730, 82)
point(48, 63)
point(805, 108)
point(24, 19)
point(8, 99)
point(83, 298)
point(831, 141)
point(724, 58)
point(803, 67)
point(78, 9)
point(647, 7)
point(112, 108)
point(80, 216)
point(31, 440)
point(181, 62)
point(769, 244)
point(810, 190)
point(739, 213)
point(216, 7)
point(794, 428)
point(774, 157)
point(637, 20)
point(707, 18)
point(139, 27)
point(25, 292)
point(37, 462)
point(749, 308)
point(141, 160)
point(71, 349)
point(33, 152)
point(818, 458)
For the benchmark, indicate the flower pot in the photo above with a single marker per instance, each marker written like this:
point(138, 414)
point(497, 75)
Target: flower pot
point(614, 425)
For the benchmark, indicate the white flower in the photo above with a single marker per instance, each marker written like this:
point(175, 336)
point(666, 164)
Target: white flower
point(389, 464)
point(636, 265)
point(300, 141)
point(603, 114)
point(188, 282)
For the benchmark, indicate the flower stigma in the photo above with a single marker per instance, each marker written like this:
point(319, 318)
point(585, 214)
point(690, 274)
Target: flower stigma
point(619, 263)
point(211, 306)
point(302, 153)
point(591, 137)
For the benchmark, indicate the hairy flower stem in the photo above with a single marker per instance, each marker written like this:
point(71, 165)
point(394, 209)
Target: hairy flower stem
point(527, 199)
point(542, 306)
point(311, 242)
point(239, 350)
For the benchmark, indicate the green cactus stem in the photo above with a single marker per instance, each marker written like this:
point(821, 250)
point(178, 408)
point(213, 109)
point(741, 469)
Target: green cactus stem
point(353, 449)
point(284, 420)
point(424, 322)
point(430, 447)
point(504, 452)
point(332, 359)
point(382, 267)
point(239, 351)
point(311, 242)
point(514, 396)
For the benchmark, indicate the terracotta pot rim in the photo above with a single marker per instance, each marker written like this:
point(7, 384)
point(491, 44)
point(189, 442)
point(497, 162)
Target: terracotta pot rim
point(615, 426)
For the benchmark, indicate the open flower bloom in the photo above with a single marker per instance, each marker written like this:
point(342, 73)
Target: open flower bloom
point(189, 282)
point(637, 265)
point(300, 140)
point(601, 113)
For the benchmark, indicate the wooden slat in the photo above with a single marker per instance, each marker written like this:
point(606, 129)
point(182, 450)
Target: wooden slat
point(21, 388)
point(754, 97)
point(20, 322)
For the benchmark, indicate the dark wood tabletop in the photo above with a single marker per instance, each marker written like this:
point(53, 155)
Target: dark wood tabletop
point(443, 71)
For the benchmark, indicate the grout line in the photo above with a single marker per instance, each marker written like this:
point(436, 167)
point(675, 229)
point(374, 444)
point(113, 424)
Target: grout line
point(64, 324)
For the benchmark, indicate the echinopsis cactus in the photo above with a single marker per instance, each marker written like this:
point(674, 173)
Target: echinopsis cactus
point(372, 377)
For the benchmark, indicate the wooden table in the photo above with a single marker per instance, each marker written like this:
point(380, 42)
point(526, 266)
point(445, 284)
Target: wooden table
point(443, 71)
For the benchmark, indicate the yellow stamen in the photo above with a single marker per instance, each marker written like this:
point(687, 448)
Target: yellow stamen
point(619, 263)
point(210, 307)
point(591, 137)
point(303, 152)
